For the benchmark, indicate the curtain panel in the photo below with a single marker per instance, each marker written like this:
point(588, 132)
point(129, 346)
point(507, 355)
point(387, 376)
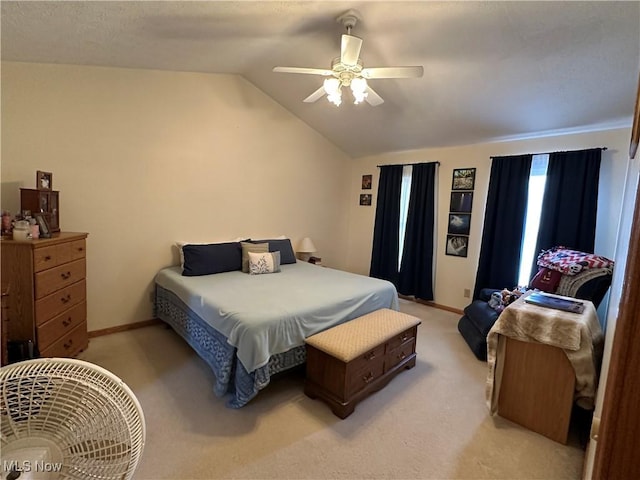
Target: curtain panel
point(416, 267)
point(570, 202)
point(386, 232)
point(504, 219)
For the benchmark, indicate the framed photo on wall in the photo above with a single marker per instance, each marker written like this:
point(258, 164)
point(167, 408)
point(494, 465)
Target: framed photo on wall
point(461, 202)
point(365, 199)
point(463, 179)
point(457, 245)
point(459, 223)
point(367, 181)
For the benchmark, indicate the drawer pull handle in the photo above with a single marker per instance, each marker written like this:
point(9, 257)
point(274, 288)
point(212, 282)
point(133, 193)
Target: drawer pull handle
point(67, 345)
point(66, 275)
point(80, 249)
point(66, 299)
point(368, 377)
point(47, 258)
point(404, 337)
point(370, 356)
point(402, 356)
point(67, 322)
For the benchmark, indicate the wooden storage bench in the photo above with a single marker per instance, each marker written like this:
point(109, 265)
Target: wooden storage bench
point(350, 361)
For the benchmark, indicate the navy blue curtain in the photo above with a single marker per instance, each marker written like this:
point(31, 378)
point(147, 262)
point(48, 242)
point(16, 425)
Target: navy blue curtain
point(386, 232)
point(416, 267)
point(504, 218)
point(570, 201)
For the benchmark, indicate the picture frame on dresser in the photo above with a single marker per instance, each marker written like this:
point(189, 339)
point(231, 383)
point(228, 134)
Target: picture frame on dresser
point(41, 220)
point(44, 180)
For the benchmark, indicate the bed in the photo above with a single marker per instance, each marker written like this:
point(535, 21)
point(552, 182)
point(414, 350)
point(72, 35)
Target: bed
point(250, 327)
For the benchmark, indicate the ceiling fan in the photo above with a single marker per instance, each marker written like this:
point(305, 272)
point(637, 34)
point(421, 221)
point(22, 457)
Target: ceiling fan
point(347, 70)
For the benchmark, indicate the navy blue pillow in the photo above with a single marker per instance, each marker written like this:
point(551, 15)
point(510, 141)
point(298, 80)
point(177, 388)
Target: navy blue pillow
point(212, 258)
point(282, 245)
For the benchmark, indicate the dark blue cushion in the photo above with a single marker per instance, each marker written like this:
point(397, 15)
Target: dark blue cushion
point(481, 315)
point(282, 245)
point(212, 258)
point(476, 340)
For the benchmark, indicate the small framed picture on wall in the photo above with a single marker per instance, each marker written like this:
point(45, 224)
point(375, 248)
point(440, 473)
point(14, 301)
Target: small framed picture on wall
point(459, 223)
point(457, 245)
point(463, 179)
point(461, 202)
point(365, 199)
point(366, 182)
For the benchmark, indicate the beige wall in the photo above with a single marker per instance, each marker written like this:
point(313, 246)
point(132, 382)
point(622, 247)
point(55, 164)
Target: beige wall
point(145, 158)
point(454, 274)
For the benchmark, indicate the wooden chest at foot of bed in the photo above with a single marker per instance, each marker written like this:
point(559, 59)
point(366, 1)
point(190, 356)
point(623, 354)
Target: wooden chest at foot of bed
point(348, 362)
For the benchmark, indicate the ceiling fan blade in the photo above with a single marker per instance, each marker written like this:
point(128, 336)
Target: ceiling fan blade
point(393, 72)
point(373, 98)
point(317, 95)
point(350, 50)
point(307, 71)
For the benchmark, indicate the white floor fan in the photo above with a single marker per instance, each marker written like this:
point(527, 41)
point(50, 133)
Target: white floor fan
point(67, 419)
point(347, 70)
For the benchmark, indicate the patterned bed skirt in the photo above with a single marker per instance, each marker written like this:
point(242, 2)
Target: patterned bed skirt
point(232, 379)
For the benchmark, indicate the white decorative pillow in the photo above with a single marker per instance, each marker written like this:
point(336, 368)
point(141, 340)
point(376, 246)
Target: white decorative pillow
point(251, 247)
point(267, 262)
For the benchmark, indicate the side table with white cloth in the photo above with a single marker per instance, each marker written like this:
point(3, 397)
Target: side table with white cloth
point(542, 360)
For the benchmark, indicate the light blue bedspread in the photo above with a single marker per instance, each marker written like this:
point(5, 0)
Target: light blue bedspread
point(263, 315)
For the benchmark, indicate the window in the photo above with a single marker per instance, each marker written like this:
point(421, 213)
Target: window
point(404, 206)
point(537, 181)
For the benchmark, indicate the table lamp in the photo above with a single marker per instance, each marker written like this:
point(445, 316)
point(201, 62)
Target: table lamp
point(306, 248)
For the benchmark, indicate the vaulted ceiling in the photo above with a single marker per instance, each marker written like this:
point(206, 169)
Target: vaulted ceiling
point(492, 70)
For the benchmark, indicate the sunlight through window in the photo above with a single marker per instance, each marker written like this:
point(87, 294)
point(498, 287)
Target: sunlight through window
point(404, 207)
point(537, 181)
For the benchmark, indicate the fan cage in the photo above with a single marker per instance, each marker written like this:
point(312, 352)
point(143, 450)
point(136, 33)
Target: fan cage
point(90, 414)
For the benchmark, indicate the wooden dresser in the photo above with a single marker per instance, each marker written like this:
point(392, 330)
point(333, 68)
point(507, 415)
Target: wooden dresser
point(348, 362)
point(47, 303)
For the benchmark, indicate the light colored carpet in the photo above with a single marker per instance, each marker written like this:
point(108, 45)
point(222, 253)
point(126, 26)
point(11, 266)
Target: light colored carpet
point(430, 422)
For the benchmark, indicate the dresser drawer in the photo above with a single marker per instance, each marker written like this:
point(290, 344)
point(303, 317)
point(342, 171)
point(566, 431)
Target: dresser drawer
point(357, 379)
point(363, 361)
point(62, 324)
point(78, 249)
point(398, 354)
point(59, 301)
point(47, 257)
point(399, 339)
point(48, 281)
point(69, 345)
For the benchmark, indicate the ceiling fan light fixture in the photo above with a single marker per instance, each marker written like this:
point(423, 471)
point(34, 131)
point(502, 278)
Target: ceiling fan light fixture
point(348, 71)
point(333, 88)
point(331, 85)
point(359, 89)
point(335, 98)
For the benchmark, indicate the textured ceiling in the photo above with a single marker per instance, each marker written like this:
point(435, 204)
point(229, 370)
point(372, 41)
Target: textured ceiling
point(493, 70)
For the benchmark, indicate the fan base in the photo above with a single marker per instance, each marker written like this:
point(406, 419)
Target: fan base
point(35, 458)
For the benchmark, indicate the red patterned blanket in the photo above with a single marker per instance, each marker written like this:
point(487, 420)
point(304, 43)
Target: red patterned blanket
point(571, 262)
